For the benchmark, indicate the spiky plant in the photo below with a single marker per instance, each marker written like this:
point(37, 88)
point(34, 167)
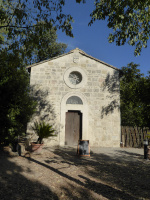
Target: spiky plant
point(43, 130)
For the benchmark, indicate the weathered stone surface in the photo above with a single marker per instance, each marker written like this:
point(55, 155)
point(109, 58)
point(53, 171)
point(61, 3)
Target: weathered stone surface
point(100, 109)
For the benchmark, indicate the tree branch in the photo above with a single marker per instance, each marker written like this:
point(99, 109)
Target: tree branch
point(26, 27)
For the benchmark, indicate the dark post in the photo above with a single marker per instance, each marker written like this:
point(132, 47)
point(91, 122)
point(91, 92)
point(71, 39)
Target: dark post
point(19, 149)
point(145, 142)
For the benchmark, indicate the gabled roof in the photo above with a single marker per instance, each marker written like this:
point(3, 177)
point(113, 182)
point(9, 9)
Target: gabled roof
point(72, 51)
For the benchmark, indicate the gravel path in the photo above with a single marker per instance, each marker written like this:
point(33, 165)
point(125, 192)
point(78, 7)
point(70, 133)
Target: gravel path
point(58, 173)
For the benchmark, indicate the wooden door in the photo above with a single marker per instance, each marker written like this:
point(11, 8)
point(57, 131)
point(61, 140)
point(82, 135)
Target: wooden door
point(73, 128)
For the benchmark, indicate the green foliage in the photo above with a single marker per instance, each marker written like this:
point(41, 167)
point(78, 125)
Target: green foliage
point(129, 20)
point(43, 130)
point(21, 16)
point(16, 105)
point(30, 30)
point(27, 35)
point(41, 44)
point(135, 97)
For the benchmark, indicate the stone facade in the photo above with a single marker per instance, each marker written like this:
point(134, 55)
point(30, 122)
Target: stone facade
point(98, 90)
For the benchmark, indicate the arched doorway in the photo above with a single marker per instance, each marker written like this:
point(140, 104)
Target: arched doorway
point(74, 119)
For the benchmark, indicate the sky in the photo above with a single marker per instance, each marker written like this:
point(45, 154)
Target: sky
point(93, 39)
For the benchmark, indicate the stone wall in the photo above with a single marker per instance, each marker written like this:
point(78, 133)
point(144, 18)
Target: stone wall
point(100, 91)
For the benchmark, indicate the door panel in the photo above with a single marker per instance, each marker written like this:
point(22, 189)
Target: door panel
point(73, 127)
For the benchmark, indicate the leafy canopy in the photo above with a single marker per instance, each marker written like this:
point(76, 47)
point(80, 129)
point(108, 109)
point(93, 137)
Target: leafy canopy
point(128, 19)
point(41, 44)
point(16, 105)
point(21, 16)
point(24, 40)
point(135, 98)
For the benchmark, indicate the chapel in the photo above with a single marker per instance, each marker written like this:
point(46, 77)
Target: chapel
point(79, 95)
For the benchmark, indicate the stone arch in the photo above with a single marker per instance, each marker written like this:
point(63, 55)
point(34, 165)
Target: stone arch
point(83, 108)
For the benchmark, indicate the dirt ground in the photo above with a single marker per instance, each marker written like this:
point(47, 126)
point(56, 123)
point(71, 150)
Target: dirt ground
point(58, 173)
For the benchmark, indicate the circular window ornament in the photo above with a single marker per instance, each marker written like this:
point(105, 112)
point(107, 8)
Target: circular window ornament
point(75, 77)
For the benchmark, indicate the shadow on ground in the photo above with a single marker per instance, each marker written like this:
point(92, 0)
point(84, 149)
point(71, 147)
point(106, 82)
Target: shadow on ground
point(125, 175)
point(15, 186)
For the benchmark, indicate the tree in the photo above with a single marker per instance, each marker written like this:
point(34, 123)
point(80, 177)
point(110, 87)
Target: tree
point(16, 105)
point(144, 89)
point(19, 17)
point(129, 20)
point(30, 28)
point(41, 44)
point(21, 46)
point(135, 98)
